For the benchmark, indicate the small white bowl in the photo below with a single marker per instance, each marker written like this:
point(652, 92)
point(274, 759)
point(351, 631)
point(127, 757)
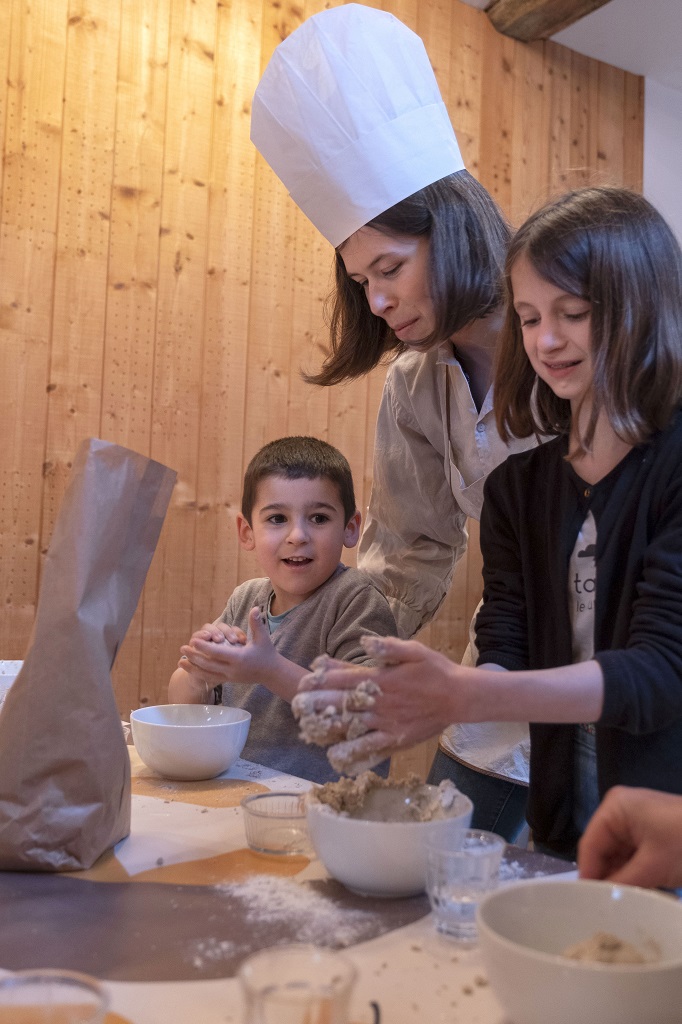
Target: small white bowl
point(380, 858)
point(524, 928)
point(189, 741)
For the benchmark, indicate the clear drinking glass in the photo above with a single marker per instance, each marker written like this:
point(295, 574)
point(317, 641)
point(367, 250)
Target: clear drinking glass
point(297, 984)
point(275, 823)
point(457, 878)
point(51, 997)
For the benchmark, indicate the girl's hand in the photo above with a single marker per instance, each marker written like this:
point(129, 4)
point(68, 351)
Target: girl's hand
point(412, 695)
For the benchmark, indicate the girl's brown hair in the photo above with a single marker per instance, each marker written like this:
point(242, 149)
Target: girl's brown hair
point(611, 247)
point(468, 237)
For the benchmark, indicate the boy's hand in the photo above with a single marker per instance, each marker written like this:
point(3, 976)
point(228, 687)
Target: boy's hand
point(218, 633)
point(223, 654)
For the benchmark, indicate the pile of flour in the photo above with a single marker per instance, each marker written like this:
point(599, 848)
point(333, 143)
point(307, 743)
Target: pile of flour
point(315, 919)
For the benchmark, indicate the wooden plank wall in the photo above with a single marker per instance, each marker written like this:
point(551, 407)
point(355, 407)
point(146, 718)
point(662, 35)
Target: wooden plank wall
point(159, 289)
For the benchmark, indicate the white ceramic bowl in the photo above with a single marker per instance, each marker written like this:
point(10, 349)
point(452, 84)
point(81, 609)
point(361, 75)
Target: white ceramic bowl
point(189, 741)
point(523, 929)
point(380, 858)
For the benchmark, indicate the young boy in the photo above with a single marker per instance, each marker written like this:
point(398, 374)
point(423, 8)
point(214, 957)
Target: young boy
point(298, 512)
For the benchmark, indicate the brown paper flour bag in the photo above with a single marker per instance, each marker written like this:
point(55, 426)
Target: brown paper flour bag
point(64, 768)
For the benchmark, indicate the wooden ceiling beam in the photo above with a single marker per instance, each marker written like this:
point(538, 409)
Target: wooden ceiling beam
point(527, 20)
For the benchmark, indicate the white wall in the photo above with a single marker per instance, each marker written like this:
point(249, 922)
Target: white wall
point(644, 37)
point(663, 151)
point(641, 36)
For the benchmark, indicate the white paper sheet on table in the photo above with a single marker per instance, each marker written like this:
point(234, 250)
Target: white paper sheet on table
point(160, 829)
point(267, 776)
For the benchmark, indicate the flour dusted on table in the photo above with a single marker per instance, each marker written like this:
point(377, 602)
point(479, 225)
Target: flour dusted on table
point(211, 950)
point(317, 920)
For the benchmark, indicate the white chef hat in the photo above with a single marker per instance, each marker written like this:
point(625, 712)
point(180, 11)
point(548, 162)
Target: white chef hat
point(349, 116)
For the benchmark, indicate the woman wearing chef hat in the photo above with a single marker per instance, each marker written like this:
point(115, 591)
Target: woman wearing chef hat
point(349, 116)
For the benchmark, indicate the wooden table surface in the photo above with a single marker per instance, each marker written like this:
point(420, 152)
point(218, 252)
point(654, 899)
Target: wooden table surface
point(167, 917)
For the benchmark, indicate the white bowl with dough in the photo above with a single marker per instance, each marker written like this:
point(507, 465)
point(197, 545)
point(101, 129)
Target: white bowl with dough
point(189, 741)
point(381, 858)
point(524, 928)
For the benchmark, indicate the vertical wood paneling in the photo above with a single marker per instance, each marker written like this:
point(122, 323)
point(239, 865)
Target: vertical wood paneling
point(633, 135)
point(611, 124)
point(558, 66)
point(158, 287)
point(5, 35)
point(530, 152)
point(434, 22)
point(224, 403)
point(135, 221)
point(496, 115)
point(579, 134)
point(593, 121)
point(308, 407)
point(466, 81)
point(179, 330)
point(81, 264)
point(34, 55)
point(132, 294)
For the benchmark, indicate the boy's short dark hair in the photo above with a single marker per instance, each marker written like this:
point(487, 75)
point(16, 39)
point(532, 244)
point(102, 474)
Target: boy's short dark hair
point(296, 458)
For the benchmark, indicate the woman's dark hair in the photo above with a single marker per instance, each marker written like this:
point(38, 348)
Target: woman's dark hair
point(468, 237)
point(611, 247)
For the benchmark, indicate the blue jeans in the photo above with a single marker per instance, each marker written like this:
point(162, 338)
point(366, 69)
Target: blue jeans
point(585, 788)
point(499, 804)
